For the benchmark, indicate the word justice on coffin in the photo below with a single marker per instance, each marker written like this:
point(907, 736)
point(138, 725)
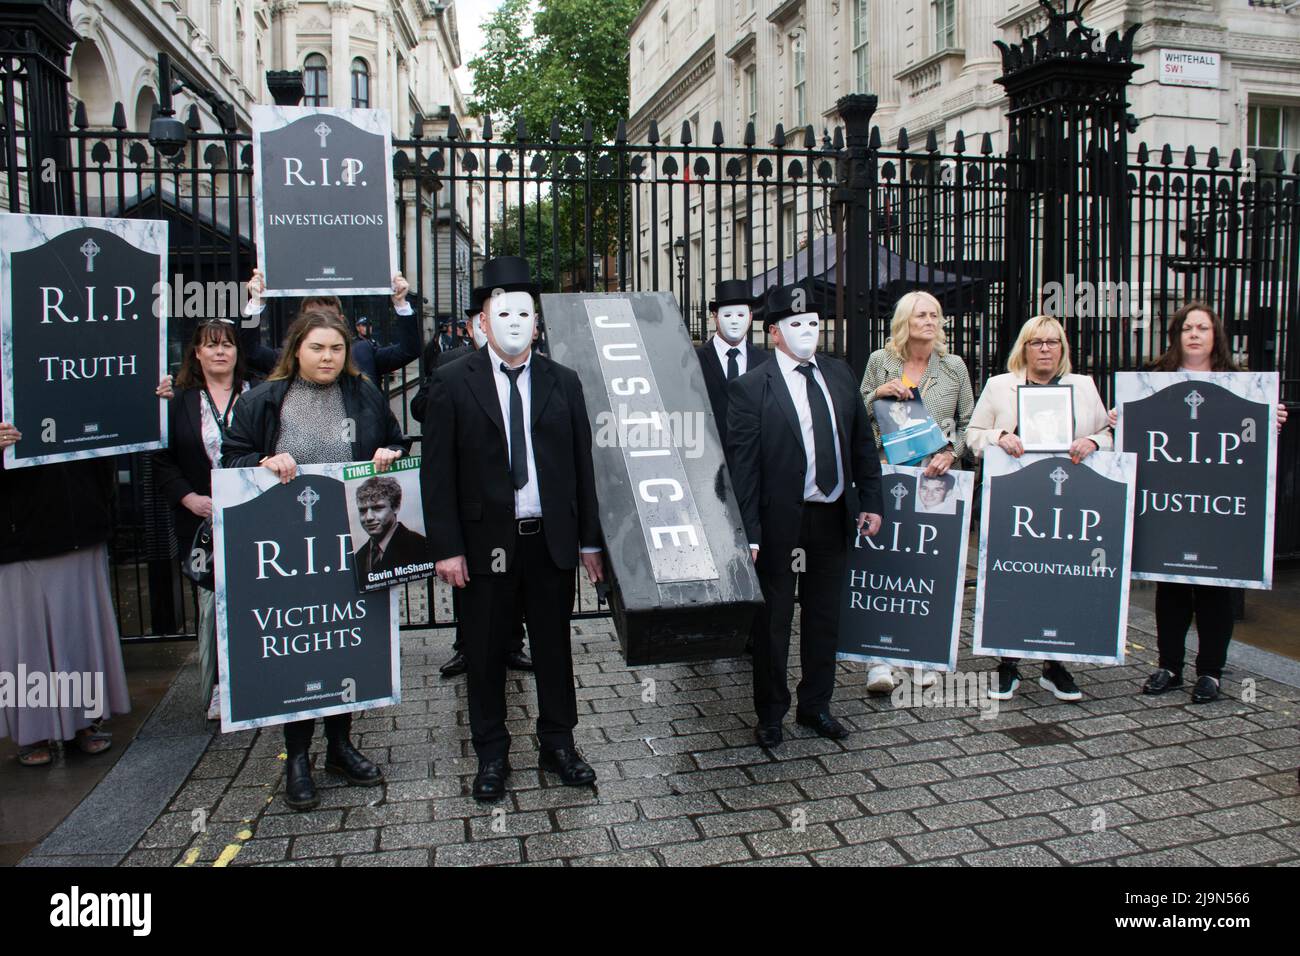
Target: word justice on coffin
point(683, 584)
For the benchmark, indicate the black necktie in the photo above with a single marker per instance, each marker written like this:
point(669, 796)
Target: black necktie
point(733, 367)
point(823, 433)
point(518, 449)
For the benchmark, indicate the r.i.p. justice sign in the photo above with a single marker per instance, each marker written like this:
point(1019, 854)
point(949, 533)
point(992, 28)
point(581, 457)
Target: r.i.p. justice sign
point(295, 636)
point(323, 191)
point(1206, 474)
point(83, 336)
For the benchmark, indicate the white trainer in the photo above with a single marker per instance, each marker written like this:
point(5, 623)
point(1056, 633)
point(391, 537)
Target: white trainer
point(880, 679)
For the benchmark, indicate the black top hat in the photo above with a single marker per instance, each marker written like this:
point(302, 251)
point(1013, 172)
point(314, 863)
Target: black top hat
point(784, 301)
point(507, 274)
point(733, 292)
point(475, 304)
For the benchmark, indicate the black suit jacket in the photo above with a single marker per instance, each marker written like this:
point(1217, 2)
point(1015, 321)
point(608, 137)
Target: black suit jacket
point(767, 459)
point(469, 500)
point(182, 467)
point(715, 378)
point(404, 547)
point(436, 358)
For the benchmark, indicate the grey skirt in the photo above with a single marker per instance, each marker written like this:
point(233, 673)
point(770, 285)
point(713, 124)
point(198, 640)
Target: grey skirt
point(60, 655)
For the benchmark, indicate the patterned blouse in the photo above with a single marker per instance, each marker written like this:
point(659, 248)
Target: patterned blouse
point(945, 387)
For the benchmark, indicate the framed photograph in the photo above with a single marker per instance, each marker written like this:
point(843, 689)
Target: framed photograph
point(1046, 417)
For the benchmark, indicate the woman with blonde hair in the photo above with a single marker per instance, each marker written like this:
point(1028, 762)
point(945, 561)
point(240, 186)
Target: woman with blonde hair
point(1040, 356)
point(316, 408)
point(916, 356)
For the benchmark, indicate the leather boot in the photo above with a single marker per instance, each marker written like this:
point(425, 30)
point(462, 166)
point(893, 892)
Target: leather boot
point(345, 760)
point(299, 790)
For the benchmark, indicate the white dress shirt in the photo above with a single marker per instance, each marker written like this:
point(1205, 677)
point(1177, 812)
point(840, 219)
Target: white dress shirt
point(798, 388)
point(528, 499)
point(722, 346)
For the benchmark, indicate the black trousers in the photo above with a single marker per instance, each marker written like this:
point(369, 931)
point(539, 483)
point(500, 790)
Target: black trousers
point(491, 604)
point(298, 733)
point(1176, 605)
point(824, 540)
point(517, 647)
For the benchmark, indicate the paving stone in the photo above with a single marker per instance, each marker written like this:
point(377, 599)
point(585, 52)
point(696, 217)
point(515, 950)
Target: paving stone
point(1020, 830)
point(864, 854)
point(1247, 849)
point(1083, 848)
point(942, 843)
point(791, 840)
point(1160, 834)
point(336, 844)
point(740, 821)
point(872, 828)
point(1168, 804)
point(571, 843)
point(759, 795)
point(706, 852)
point(956, 814)
point(632, 836)
point(486, 853)
point(1027, 855)
point(1240, 819)
point(406, 835)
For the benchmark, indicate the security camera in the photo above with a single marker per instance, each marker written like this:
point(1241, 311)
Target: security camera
point(167, 134)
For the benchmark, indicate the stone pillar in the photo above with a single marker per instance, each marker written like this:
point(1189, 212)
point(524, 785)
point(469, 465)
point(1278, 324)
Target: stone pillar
point(402, 121)
point(381, 89)
point(287, 49)
point(340, 54)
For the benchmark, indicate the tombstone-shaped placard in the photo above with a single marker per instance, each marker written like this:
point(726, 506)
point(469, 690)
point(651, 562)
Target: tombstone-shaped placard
point(1206, 476)
point(684, 586)
point(323, 191)
point(903, 588)
point(296, 637)
point(83, 336)
point(1055, 540)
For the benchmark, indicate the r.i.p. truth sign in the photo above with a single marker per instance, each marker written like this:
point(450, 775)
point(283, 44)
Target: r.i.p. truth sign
point(83, 336)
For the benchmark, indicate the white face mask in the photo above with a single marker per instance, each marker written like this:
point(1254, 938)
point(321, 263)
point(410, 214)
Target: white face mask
point(799, 332)
point(513, 319)
point(476, 330)
point(734, 322)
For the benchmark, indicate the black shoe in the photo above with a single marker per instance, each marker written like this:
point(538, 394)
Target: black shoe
point(519, 661)
point(454, 667)
point(1058, 680)
point(572, 769)
point(490, 781)
point(1161, 681)
point(768, 736)
point(825, 725)
point(1008, 681)
point(344, 759)
point(1206, 690)
point(299, 790)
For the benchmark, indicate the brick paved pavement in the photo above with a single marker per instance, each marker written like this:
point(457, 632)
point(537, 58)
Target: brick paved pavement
point(1131, 780)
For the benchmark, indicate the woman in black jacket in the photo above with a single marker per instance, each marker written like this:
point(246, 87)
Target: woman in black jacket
point(315, 408)
point(211, 379)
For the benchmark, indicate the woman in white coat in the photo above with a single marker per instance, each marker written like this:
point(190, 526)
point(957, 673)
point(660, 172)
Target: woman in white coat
point(1040, 356)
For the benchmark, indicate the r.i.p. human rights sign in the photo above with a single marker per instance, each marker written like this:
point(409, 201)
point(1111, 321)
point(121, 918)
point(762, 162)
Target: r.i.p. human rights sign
point(323, 189)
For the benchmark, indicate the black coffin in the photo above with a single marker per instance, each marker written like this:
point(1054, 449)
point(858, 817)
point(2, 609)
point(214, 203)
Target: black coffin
point(683, 585)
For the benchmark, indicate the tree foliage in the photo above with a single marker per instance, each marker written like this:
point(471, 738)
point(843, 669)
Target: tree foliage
point(568, 61)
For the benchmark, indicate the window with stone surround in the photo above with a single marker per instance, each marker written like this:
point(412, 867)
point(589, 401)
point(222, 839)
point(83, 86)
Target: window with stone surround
point(861, 48)
point(1272, 128)
point(944, 17)
point(315, 81)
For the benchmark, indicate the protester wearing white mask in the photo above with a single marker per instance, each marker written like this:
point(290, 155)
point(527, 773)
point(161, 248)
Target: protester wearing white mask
point(800, 407)
point(509, 502)
point(729, 353)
